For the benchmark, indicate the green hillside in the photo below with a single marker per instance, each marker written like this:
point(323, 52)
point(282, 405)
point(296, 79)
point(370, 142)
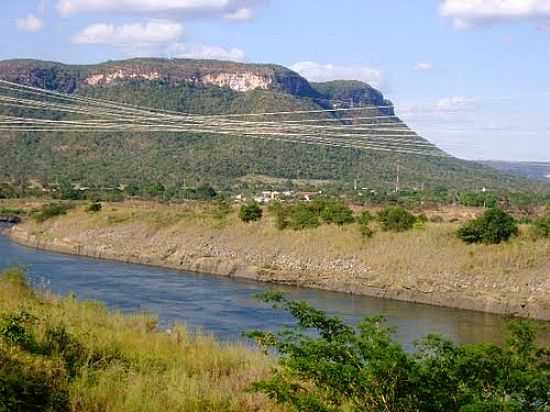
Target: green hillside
point(190, 86)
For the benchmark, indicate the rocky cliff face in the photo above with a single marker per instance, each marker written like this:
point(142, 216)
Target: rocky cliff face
point(235, 76)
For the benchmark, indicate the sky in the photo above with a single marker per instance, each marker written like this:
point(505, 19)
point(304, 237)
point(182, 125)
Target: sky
point(470, 75)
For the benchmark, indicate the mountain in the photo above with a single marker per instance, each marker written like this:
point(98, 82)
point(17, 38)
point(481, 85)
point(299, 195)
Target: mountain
point(532, 170)
point(212, 87)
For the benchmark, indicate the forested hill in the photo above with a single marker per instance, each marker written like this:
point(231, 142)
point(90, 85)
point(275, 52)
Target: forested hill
point(533, 170)
point(211, 87)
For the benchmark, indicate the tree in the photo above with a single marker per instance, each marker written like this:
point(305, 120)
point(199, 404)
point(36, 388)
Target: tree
point(338, 213)
point(66, 190)
point(396, 219)
point(155, 189)
point(251, 212)
point(327, 365)
point(493, 227)
point(300, 217)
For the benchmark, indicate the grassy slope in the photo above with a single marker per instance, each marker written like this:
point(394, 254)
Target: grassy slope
point(135, 367)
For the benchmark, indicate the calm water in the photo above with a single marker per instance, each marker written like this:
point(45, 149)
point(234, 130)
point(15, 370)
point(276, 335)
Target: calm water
point(225, 307)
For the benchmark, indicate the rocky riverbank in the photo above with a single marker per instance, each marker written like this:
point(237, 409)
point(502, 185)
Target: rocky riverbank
point(426, 267)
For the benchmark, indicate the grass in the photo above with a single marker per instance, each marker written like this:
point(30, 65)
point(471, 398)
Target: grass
point(81, 357)
point(431, 249)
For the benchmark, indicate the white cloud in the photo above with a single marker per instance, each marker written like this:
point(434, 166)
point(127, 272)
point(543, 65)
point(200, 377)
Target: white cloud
point(157, 38)
point(238, 9)
point(456, 104)
point(30, 23)
point(180, 50)
point(243, 14)
point(468, 13)
point(325, 72)
point(423, 67)
point(134, 35)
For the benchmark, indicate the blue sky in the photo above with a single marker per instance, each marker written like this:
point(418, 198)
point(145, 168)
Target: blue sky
point(470, 75)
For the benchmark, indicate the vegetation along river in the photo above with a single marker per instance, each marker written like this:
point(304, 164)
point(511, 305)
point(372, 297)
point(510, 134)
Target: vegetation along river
point(225, 307)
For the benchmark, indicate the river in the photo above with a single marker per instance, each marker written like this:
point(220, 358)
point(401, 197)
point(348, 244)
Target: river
point(225, 307)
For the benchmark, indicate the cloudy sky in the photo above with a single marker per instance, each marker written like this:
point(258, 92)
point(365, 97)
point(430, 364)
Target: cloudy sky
point(470, 75)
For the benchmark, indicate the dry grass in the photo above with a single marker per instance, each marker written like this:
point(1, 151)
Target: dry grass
point(193, 236)
point(432, 250)
point(154, 370)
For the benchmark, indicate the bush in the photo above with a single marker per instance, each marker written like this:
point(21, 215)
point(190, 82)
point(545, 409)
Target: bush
point(13, 329)
point(94, 207)
point(51, 210)
point(280, 213)
point(301, 216)
point(364, 220)
point(541, 227)
point(493, 227)
point(396, 219)
point(338, 213)
point(327, 365)
point(26, 388)
point(250, 212)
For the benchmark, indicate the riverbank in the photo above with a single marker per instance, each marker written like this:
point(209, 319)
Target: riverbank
point(67, 355)
point(425, 266)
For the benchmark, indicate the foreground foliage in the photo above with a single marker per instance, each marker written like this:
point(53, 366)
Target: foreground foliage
point(65, 355)
point(327, 365)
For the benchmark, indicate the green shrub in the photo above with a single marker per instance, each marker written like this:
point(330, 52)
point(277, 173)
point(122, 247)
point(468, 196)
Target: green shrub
point(541, 226)
point(11, 211)
point(251, 212)
point(337, 213)
point(26, 388)
point(493, 227)
point(327, 365)
point(14, 329)
point(478, 199)
point(50, 210)
point(396, 219)
point(94, 207)
point(364, 220)
point(301, 216)
point(280, 212)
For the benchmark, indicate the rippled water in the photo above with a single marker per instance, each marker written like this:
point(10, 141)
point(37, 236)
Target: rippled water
point(226, 307)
